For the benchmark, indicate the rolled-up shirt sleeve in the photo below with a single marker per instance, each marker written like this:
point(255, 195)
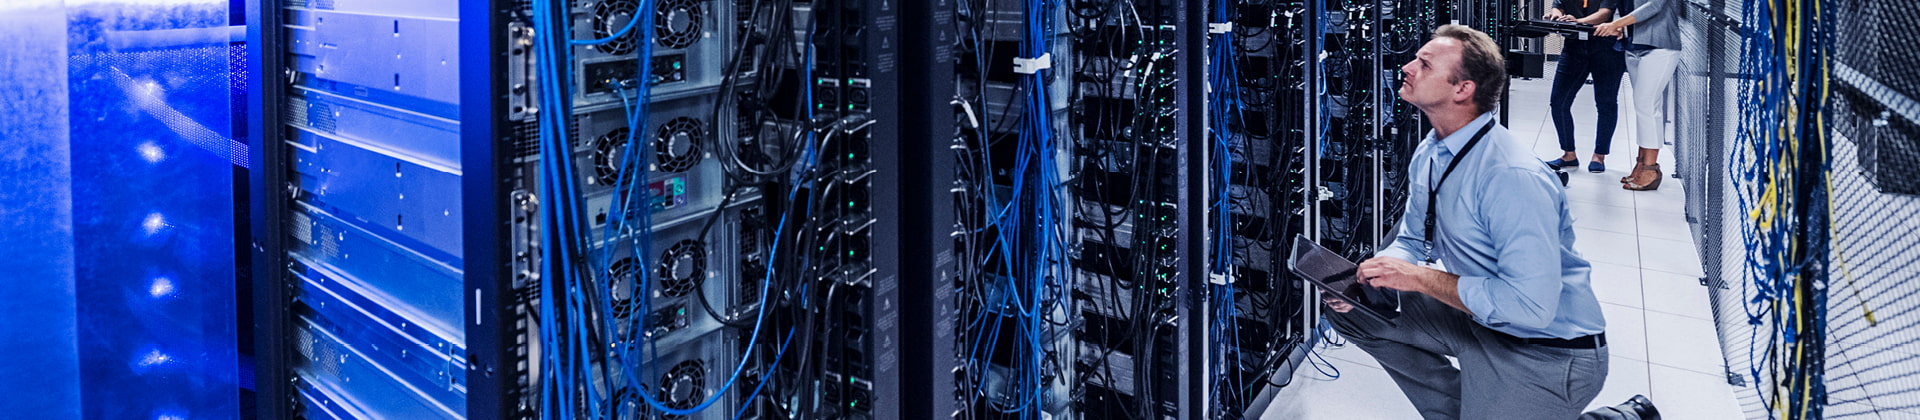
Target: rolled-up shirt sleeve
point(1525, 227)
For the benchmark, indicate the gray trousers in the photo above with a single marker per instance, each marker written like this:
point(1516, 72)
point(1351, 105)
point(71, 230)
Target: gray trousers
point(1499, 378)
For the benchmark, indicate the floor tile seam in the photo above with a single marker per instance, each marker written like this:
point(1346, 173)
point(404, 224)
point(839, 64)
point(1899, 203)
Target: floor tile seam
point(1708, 320)
point(1721, 375)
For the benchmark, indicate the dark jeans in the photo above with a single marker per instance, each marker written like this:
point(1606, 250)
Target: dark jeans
point(1582, 58)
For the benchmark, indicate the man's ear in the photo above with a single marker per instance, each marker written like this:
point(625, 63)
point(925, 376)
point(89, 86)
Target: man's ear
point(1463, 93)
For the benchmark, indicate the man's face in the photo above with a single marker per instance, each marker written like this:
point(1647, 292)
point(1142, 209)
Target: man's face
point(1424, 82)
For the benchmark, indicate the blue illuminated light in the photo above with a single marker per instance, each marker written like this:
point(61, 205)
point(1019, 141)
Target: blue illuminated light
point(154, 223)
point(151, 152)
point(162, 287)
point(154, 358)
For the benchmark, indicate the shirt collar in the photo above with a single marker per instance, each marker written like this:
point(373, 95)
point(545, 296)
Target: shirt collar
point(1459, 137)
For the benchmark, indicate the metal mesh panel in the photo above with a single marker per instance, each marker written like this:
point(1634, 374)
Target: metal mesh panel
point(1707, 94)
point(1871, 369)
point(1876, 163)
point(1876, 79)
point(1871, 357)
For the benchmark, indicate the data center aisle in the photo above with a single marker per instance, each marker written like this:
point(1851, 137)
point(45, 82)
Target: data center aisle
point(1645, 272)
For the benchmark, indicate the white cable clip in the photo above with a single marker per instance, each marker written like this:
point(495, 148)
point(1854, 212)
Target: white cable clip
point(1219, 279)
point(968, 106)
point(1033, 65)
point(1220, 28)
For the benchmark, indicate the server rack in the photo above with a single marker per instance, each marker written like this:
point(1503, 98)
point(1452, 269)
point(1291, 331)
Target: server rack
point(370, 126)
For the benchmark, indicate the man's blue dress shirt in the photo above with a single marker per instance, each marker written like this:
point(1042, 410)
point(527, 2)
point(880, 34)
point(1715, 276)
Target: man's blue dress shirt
point(1505, 229)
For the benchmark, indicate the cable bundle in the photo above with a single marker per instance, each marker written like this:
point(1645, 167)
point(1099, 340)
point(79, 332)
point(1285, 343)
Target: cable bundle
point(1781, 177)
point(593, 363)
point(1223, 105)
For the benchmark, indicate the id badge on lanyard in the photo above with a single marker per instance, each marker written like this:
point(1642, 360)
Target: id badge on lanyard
point(1433, 189)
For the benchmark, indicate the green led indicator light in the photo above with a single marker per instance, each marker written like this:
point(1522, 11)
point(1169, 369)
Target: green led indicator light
point(683, 311)
point(849, 106)
point(849, 204)
point(849, 253)
point(849, 156)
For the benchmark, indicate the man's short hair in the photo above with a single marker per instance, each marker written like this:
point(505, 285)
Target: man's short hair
point(1480, 61)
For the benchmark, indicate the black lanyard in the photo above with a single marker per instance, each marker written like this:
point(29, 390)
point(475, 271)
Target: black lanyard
point(1433, 191)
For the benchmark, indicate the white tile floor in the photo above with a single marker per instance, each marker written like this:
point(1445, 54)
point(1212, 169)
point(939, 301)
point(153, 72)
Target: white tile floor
point(1646, 275)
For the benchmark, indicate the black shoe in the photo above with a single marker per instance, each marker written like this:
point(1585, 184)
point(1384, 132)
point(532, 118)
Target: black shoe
point(1558, 164)
point(1642, 406)
point(1636, 408)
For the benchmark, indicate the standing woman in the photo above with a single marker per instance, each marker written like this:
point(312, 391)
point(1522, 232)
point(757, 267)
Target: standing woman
point(1653, 53)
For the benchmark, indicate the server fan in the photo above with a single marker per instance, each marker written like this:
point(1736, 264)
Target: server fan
point(681, 267)
point(609, 17)
point(677, 23)
point(676, 145)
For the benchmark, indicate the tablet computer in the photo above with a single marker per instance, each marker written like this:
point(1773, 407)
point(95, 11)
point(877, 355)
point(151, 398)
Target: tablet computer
point(1337, 276)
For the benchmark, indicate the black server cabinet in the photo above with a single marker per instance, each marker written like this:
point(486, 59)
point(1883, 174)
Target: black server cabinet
point(926, 198)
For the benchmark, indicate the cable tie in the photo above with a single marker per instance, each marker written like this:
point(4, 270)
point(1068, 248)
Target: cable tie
point(972, 119)
point(1033, 65)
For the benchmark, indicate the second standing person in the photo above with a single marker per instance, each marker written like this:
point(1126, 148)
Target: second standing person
point(1653, 53)
point(1580, 58)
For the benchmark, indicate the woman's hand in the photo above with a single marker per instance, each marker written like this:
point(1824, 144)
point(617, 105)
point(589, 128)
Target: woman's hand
point(1609, 29)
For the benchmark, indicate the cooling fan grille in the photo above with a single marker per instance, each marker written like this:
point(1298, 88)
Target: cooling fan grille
point(676, 145)
point(609, 17)
point(677, 24)
point(681, 267)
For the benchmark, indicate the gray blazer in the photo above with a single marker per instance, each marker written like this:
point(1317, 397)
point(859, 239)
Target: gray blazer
point(1657, 23)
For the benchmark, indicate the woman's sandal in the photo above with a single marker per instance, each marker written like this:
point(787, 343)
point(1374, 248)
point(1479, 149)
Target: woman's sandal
point(1650, 185)
point(1637, 167)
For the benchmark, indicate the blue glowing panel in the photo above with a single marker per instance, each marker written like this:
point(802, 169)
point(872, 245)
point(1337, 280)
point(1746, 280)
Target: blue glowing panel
point(153, 160)
point(124, 304)
point(37, 334)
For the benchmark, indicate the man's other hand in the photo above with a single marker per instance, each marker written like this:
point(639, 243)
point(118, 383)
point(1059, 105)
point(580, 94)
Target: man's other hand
point(1556, 14)
point(1335, 303)
point(1393, 273)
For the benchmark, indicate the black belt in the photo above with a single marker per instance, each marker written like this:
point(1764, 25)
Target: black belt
point(1586, 342)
